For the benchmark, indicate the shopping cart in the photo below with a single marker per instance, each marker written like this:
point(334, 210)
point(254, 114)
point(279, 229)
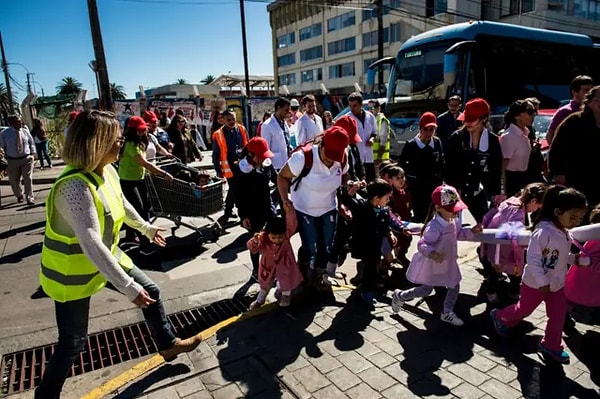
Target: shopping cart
point(178, 198)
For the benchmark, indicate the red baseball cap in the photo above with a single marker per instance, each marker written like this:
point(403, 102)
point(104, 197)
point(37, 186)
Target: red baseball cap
point(259, 147)
point(137, 123)
point(475, 109)
point(428, 119)
point(150, 116)
point(348, 123)
point(73, 115)
point(335, 141)
point(447, 197)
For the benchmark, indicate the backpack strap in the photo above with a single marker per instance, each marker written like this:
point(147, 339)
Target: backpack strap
point(307, 149)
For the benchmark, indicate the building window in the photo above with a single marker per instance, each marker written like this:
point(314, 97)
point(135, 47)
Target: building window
point(341, 21)
point(557, 5)
point(370, 38)
point(516, 7)
point(311, 31)
point(588, 9)
point(312, 76)
point(395, 33)
point(285, 60)
point(311, 53)
point(371, 11)
point(286, 40)
point(369, 61)
point(341, 70)
point(287, 79)
point(341, 46)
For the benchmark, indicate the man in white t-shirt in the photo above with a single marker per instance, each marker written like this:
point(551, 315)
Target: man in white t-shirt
point(367, 130)
point(309, 124)
point(313, 198)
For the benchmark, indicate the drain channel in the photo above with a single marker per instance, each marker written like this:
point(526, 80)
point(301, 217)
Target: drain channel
point(21, 371)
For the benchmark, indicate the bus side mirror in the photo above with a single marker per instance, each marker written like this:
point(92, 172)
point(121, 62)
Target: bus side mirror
point(450, 66)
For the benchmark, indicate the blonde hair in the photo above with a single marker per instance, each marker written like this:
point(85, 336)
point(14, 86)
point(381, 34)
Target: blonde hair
point(90, 137)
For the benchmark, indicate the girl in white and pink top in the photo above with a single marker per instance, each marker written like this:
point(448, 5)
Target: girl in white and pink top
point(544, 275)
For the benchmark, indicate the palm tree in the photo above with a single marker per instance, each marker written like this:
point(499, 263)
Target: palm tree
point(117, 92)
point(208, 79)
point(181, 81)
point(68, 85)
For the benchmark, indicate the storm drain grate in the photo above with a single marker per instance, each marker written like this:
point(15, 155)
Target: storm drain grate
point(21, 371)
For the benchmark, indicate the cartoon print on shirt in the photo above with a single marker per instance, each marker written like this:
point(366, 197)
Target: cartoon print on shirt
point(549, 260)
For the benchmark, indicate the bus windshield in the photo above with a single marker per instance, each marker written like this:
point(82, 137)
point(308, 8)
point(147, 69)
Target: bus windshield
point(420, 70)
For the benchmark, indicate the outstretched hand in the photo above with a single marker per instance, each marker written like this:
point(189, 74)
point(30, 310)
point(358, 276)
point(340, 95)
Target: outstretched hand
point(143, 300)
point(159, 239)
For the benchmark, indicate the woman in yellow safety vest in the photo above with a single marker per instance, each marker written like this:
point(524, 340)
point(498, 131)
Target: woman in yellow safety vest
point(84, 214)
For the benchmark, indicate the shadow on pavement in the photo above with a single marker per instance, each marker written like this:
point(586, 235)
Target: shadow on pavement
point(229, 252)
point(21, 254)
point(160, 374)
point(22, 229)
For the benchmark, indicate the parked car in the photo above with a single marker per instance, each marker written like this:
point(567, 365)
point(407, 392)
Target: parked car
point(540, 124)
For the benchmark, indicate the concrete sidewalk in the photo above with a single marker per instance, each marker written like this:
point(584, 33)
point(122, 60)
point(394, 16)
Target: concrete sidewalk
point(334, 346)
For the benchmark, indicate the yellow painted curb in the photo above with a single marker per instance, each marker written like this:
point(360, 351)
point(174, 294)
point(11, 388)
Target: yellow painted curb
point(157, 360)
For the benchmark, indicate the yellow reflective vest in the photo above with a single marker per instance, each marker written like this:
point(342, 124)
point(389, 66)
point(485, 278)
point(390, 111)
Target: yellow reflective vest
point(379, 118)
point(66, 273)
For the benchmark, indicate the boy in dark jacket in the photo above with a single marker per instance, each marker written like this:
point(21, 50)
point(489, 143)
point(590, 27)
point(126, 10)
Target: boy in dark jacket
point(370, 227)
point(255, 206)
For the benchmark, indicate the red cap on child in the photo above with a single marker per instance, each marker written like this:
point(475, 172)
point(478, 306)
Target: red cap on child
point(475, 109)
point(447, 197)
point(348, 123)
point(335, 141)
point(259, 146)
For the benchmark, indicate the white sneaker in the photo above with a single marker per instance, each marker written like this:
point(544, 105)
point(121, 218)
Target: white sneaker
point(452, 318)
point(397, 302)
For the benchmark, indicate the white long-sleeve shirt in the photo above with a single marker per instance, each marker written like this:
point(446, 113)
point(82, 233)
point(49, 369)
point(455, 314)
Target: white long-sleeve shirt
point(307, 128)
point(75, 215)
point(275, 135)
point(365, 131)
point(547, 257)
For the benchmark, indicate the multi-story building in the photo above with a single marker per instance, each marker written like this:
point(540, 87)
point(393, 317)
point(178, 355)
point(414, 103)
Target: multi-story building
point(327, 46)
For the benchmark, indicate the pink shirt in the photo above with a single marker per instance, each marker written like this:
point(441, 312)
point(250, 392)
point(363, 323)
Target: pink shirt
point(516, 147)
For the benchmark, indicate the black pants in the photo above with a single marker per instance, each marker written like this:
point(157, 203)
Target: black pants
point(72, 322)
point(231, 195)
point(136, 193)
point(515, 181)
point(370, 173)
point(343, 231)
point(420, 202)
point(514, 284)
point(370, 268)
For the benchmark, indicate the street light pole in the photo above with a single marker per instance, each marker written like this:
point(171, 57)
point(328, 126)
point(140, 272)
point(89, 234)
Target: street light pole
point(11, 105)
point(380, 42)
point(101, 69)
point(246, 73)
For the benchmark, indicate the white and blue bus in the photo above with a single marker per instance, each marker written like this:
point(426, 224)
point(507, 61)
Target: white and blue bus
point(496, 61)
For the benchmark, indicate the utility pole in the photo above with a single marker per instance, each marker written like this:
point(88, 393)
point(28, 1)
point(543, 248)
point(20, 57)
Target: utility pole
point(101, 69)
point(11, 105)
point(380, 42)
point(246, 73)
point(29, 89)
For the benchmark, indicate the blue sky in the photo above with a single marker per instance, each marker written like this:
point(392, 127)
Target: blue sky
point(146, 42)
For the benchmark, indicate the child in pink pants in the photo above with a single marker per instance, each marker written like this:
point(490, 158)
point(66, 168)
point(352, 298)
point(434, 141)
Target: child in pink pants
point(544, 275)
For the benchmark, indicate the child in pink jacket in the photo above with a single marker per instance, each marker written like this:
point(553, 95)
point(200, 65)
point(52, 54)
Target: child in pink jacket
point(277, 259)
point(548, 258)
point(511, 258)
point(436, 262)
point(583, 282)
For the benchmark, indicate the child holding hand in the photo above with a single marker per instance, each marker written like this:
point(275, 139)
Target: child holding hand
point(544, 274)
point(435, 264)
point(277, 259)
